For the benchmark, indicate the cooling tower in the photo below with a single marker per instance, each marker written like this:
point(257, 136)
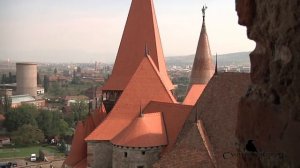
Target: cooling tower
point(27, 79)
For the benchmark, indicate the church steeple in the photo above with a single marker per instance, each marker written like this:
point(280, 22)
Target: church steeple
point(203, 68)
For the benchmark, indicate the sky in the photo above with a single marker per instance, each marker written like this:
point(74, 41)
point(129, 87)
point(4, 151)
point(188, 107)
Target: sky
point(91, 30)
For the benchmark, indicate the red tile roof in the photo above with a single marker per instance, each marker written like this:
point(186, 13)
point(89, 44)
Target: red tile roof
point(217, 108)
point(174, 118)
point(141, 29)
point(99, 115)
point(217, 111)
point(203, 68)
point(193, 94)
point(146, 85)
point(79, 148)
point(147, 130)
point(81, 164)
point(190, 151)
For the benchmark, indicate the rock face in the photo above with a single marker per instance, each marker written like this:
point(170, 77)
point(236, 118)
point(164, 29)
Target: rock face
point(269, 113)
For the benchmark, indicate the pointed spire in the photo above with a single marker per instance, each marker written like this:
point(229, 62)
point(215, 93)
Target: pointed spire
point(216, 66)
point(203, 68)
point(141, 26)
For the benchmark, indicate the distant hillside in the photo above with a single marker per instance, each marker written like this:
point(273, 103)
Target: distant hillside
point(238, 58)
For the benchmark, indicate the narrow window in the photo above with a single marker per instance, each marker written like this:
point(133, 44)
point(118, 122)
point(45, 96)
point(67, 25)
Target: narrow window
point(143, 152)
point(125, 154)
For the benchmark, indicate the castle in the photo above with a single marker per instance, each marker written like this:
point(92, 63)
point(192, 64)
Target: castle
point(140, 124)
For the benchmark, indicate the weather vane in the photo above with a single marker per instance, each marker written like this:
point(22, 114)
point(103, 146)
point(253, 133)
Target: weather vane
point(204, 8)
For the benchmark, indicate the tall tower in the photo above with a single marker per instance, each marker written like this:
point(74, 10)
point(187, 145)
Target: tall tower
point(27, 78)
point(140, 29)
point(203, 68)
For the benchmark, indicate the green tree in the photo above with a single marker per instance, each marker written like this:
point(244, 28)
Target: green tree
point(3, 79)
point(39, 81)
point(52, 124)
point(5, 104)
point(55, 71)
point(22, 115)
point(46, 83)
point(27, 135)
point(80, 110)
point(62, 146)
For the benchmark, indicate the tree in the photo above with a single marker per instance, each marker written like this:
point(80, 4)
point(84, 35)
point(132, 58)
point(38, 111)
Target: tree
point(78, 70)
point(46, 83)
point(22, 115)
point(62, 146)
point(9, 78)
point(27, 135)
point(3, 79)
point(80, 110)
point(39, 81)
point(52, 124)
point(6, 104)
point(55, 71)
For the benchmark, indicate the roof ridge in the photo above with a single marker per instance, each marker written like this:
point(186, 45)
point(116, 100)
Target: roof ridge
point(206, 141)
point(161, 80)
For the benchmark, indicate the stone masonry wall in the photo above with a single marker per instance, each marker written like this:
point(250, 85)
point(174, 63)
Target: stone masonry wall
point(269, 113)
point(135, 157)
point(99, 154)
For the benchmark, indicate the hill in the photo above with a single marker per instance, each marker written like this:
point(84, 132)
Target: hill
point(238, 58)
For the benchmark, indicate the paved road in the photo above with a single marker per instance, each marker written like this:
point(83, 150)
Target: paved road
point(27, 164)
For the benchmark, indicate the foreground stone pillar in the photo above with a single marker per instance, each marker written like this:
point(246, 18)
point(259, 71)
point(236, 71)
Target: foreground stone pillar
point(269, 113)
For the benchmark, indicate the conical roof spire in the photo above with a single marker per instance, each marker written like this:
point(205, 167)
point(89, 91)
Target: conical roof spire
point(141, 26)
point(203, 68)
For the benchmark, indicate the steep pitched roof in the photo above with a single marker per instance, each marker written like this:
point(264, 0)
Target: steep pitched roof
point(141, 28)
point(79, 149)
point(190, 150)
point(174, 118)
point(203, 69)
point(147, 130)
point(193, 94)
point(216, 116)
point(78, 153)
point(99, 115)
point(145, 85)
point(218, 106)
point(81, 164)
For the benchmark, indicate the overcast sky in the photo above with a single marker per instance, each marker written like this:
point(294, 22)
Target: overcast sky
point(91, 30)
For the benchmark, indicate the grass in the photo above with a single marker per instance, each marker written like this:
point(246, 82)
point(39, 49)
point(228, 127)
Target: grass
point(26, 151)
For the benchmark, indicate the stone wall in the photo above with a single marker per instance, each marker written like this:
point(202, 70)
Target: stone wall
point(135, 157)
point(269, 113)
point(99, 154)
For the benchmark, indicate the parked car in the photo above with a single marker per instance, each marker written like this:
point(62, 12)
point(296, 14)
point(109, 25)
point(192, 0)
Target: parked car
point(33, 157)
point(8, 164)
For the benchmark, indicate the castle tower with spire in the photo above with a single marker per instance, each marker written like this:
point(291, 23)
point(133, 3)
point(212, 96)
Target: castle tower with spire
point(141, 31)
point(203, 68)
